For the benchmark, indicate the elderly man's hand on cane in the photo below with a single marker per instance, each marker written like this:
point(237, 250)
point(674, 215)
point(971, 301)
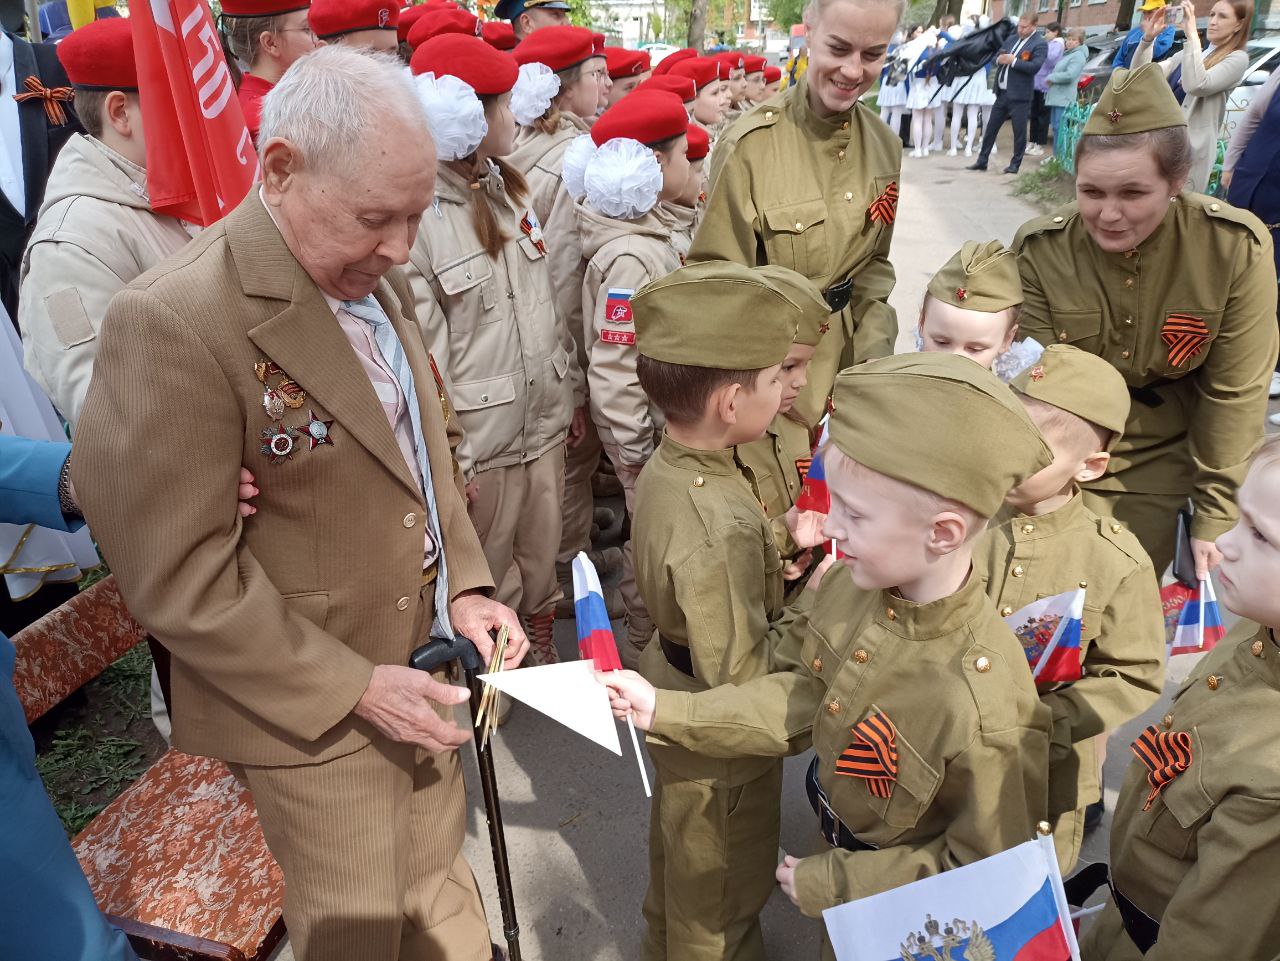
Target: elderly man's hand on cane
point(475, 615)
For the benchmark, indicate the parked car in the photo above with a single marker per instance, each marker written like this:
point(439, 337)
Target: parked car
point(1102, 50)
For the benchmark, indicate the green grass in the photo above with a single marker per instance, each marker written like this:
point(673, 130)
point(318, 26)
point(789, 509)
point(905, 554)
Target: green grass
point(1045, 185)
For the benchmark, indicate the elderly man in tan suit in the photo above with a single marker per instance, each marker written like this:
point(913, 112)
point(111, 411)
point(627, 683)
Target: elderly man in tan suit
point(284, 338)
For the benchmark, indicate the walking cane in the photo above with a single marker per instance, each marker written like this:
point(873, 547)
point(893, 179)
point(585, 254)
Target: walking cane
point(432, 656)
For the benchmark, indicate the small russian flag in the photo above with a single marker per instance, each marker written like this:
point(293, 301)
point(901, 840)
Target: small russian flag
point(814, 493)
point(1050, 631)
point(1200, 624)
point(595, 633)
point(617, 305)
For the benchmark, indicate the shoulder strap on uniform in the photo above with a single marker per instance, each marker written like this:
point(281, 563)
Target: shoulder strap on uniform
point(1058, 220)
point(1221, 210)
point(1123, 538)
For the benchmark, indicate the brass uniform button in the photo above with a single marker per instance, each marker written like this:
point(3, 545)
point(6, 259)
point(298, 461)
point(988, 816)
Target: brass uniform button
point(833, 707)
point(410, 519)
point(1028, 528)
point(1128, 254)
point(1018, 571)
point(845, 126)
point(1256, 648)
point(1084, 583)
point(1128, 321)
point(861, 656)
point(699, 481)
point(1215, 207)
point(816, 664)
point(1006, 611)
point(768, 115)
point(402, 604)
point(1116, 528)
point(840, 155)
point(848, 195)
point(1057, 220)
point(1213, 681)
point(799, 226)
point(982, 664)
point(1044, 828)
point(1062, 337)
point(1128, 281)
point(1124, 354)
point(1167, 721)
point(891, 614)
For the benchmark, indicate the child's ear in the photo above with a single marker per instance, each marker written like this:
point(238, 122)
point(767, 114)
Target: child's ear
point(1009, 338)
point(725, 402)
point(1092, 467)
point(950, 531)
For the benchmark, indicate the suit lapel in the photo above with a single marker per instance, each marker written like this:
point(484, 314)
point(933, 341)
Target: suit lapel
point(304, 337)
point(34, 127)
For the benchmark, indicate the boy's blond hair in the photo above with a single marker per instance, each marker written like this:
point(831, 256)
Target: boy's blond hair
point(1080, 436)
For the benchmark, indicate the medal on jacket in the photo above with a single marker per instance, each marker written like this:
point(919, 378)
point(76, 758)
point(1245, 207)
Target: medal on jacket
point(316, 431)
point(1165, 755)
point(884, 209)
point(1184, 335)
point(533, 230)
point(873, 755)
point(282, 396)
point(279, 443)
point(444, 398)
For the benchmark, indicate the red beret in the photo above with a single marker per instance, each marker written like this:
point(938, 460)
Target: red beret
point(772, 74)
point(440, 20)
point(99, 56)
point(625, 63)
point(699, 143)
point(673, 58)
point(498, 34)
point(682, 87)
point(408, 17)
point(732, 60)
point(754, 63)
point(701, 70)
point(262, 8)
point(559, 47)
point(333, 18)
point(650, 116)
point(487, 71)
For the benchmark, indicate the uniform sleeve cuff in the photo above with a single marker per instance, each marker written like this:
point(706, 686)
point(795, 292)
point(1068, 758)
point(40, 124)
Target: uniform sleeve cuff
point(671, 711)
point(1205, 528)
point(813, 884)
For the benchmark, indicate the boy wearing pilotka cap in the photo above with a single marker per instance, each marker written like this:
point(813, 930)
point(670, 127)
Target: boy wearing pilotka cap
point(1046, 542)
point(711, 577)
point(901, 648)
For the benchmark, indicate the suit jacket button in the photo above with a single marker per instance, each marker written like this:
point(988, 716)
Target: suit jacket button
point(410, 520)
point(402, 604)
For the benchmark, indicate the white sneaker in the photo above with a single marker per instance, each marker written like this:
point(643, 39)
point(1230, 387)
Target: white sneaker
point(968, 151)
point(1275, 385)
point(1035, 150)
point(1274, 420)
point(917, 152)
point(952, 152)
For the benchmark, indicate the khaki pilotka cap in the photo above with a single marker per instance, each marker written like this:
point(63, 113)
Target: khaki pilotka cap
point(815, 314)
point(940, 422)
point(1135, 101)
point(979, 276)
point(1080, 383)
point(715, 314)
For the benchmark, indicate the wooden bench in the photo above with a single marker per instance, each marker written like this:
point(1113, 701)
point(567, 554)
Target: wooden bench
point(177, 861)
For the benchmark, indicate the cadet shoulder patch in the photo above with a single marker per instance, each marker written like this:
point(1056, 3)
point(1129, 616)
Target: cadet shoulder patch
point(627, 337)
point(617, 305)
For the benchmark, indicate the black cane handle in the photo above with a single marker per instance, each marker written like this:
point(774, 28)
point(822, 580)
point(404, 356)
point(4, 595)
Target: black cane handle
point(438, 652)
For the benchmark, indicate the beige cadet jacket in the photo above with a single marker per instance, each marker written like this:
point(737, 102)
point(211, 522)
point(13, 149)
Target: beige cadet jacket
point(777, 464)
point(682, 220)
point(509, 359)
point(711, 577)
point(95, 233)
point(791, 188)
point(1022, 559)
point(622, 256)
point(972, 734)
point(540, 157)
point(1202, 858)
point(1209, 263)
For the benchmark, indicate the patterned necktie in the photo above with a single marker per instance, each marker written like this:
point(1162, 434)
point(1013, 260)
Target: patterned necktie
point(388, 344)
point(873, 755)
point(1165, 755)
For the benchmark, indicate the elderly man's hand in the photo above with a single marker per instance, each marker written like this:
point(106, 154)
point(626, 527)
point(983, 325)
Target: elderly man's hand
point(475, 615)
point(398, 702)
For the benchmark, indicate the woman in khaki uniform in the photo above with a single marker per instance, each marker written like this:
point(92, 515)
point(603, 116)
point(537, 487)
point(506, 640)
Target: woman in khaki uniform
point(509, 359)
point(1196, 835)
point(1178, 292)
point(810, 181)
point(541, 141)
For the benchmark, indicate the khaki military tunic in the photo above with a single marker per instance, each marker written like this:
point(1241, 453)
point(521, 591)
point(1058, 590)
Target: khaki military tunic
point(711, 577)
point(776, 465)
point(972, 734)
point(796, 190)
point(1202, 859)
point(1195, 419)
point(1022, 559)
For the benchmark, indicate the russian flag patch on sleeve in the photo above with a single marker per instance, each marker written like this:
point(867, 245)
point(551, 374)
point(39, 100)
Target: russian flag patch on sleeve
point(617, 305)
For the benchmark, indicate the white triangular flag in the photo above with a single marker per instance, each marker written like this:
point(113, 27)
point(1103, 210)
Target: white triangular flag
point(567, 693)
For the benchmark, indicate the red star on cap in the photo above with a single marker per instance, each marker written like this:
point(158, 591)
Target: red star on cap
point(1037, 372)
point(961, 293)
point(1115, 116)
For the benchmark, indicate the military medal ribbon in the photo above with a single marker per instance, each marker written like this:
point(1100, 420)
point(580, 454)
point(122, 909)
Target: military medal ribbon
point(885, 207)
point(52, 98)
point(873, 755)
point(1184, 335)
point(1165, 755)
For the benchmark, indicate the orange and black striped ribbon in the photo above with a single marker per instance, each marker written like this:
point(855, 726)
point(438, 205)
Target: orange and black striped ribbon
point(1165, 755)
point(1184, 335)
point(873, 755)
point(885, 207)
point(802, 465)
point(51, 96)
point(527, 226)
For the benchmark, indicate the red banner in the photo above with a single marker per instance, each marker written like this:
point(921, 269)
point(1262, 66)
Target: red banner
point(200, 158)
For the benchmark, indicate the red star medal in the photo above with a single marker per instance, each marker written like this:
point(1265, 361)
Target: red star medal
point(279, 443)
point(316, 431)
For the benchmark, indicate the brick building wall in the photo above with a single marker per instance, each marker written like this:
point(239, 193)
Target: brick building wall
point(1099, 16)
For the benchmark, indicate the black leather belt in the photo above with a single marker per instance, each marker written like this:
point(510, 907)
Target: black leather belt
point(677, 656)
point(1146, 394)
point(838, 295)
point(830, 826)
point(1142, 930)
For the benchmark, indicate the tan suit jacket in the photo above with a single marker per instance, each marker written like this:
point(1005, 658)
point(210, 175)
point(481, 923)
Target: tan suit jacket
point(274, 623)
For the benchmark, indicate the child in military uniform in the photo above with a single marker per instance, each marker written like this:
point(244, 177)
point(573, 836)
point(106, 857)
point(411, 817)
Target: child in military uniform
point(711, 577)
point(930, 739)
point(1047, 542)
point(972, 304)
point(1196, 835)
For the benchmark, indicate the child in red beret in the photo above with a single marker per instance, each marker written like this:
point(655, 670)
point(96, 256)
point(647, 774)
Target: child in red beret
point(686, 208)
point(712, 78)
point(264, 38)
point(365, 24)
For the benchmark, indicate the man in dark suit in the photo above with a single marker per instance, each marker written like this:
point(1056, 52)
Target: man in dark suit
point(41, 124)
point(1017, 63)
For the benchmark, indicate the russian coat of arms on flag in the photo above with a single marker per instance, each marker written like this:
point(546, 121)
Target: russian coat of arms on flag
point(1050, 630)
point(1008, 907)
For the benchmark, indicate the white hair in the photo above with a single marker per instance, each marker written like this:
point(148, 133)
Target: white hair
point(332, 100)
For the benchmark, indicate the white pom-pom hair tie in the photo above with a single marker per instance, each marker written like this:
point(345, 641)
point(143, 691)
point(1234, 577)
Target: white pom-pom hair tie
point(535, 88)
point(455, 115)
point(623, 179)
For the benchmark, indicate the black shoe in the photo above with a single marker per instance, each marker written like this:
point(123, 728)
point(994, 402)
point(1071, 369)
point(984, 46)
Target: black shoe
point(1093, 816)
point(977, 166)
point(1011, 169)
point(498, 953)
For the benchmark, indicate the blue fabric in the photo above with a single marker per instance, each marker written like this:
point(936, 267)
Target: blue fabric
point(1159, 50)
point(388, 343)
point(1175, 84)
point(1022, 73)
point(46, 908)
point(55, 22)
point(1255, 184)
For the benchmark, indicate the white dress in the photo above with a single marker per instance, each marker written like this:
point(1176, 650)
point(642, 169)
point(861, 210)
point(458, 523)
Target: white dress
point(892, 95)
point(976, 90)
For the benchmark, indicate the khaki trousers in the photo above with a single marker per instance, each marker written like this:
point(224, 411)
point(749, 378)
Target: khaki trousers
point(578, 503)
point(639, 625)
point(713, 853)
point(1153, 518)
point(371, 849)
point(517, 516)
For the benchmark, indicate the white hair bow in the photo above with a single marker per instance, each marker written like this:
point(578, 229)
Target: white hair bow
point(622, 179)
point(455, 114)
point(535, 88)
